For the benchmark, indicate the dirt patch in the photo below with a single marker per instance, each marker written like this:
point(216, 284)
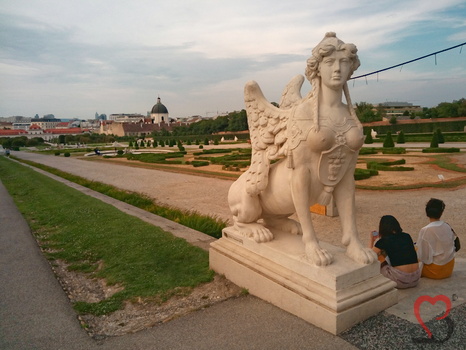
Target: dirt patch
point(142, 313)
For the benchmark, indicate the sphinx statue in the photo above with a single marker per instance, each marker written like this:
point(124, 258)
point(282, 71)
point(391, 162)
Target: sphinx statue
point(303, 152)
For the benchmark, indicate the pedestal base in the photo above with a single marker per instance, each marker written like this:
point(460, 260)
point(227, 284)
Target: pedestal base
point(333, 297)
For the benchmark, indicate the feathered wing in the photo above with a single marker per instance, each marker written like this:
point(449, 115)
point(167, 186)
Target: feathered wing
point(291, 95)
point(267, 128)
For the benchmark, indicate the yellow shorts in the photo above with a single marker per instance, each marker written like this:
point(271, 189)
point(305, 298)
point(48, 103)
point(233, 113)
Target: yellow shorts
point(438, 272)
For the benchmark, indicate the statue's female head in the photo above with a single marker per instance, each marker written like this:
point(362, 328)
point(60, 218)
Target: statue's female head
point(329, 44)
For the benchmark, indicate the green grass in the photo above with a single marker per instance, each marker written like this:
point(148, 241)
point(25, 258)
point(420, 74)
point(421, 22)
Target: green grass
point(98, 239)
point(209, 225)
point(445, 162)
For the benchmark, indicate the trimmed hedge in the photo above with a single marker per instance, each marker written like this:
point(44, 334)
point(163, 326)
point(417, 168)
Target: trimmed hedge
point(361, 174)
point(440, 150)
point(368, 150)
point(160, 158)
point(382, 166)
point(198, 163)
point(394, 150)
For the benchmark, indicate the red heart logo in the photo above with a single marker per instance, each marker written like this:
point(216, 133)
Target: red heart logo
point(433, 301)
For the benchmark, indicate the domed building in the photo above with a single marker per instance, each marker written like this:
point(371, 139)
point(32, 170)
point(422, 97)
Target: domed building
point(159, 113)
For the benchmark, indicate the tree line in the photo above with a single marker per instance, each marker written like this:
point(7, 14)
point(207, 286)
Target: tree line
point(367, 112)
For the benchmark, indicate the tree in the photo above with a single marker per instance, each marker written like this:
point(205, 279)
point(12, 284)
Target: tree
point(401, 137)
point(369, 139)
point(206, 141)
point(388, 142)
point(393, 120)
point(365, 112)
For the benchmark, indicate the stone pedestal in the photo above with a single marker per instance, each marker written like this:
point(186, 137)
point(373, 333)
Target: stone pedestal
point(333, 298)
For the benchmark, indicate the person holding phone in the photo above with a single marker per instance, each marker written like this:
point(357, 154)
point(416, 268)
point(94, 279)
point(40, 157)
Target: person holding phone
point(401, 263)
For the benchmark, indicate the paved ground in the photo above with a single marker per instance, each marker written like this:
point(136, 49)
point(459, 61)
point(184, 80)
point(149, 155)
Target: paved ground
point(35, 314)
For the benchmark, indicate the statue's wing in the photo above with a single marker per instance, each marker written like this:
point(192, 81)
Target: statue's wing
point(267, 128)
point(291, 95)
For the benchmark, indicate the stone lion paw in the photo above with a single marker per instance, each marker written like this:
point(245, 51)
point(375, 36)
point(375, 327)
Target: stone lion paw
point(256, 231)
point(360, 254)
point(317, 255)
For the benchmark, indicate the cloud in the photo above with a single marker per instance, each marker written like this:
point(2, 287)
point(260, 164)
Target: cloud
point(71, 58)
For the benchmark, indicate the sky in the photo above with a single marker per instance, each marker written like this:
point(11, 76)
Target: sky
point(74, 58)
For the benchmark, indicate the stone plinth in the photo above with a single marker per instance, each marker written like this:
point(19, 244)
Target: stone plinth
point(333, 297)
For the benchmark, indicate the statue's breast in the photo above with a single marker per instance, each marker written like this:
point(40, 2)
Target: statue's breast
point(329, 136)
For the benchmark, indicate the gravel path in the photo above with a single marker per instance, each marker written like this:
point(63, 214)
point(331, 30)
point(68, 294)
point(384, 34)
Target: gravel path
point(209, 196)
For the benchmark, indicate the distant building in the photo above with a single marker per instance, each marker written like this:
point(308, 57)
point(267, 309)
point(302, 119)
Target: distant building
point(127, 118)
point(47, 134)
point(398, 109)
point(159, 113)
point(21, 125)
point(142, 128)
point(47, 122)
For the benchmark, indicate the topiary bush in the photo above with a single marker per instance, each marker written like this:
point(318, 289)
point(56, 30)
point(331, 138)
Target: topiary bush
point(434, 141)
point(401, 137)
point(369, 138)
point(67, 154)
point(388, 141)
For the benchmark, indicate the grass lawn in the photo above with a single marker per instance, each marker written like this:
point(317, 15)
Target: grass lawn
point(98, 239)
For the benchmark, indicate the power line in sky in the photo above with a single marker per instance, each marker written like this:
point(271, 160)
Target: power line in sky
point(410, 61)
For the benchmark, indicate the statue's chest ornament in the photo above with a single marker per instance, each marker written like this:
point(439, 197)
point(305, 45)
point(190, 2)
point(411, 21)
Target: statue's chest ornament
point(334, 161)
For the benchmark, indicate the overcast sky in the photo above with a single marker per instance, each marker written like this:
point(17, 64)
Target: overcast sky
point(74, 58)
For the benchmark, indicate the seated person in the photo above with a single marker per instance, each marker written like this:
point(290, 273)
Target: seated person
point(402, 265)
point(435, 244)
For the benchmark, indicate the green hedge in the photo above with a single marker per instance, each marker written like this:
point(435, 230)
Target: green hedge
point(198, 163)
point(440, 150)
point(160, 158)
point(382, 166)
point(394, 150)
point(368, 150)
point(361, 174)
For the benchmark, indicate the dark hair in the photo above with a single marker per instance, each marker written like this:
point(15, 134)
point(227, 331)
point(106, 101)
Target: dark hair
point(389, 225)
point(435, 208)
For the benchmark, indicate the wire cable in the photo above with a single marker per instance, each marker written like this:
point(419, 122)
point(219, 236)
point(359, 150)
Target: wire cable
point(414, 60)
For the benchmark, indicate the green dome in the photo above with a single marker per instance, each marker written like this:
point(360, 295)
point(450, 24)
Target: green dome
point(159, 108)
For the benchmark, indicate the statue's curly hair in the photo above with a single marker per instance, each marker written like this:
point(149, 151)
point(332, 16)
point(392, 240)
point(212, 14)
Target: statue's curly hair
point(329, 44)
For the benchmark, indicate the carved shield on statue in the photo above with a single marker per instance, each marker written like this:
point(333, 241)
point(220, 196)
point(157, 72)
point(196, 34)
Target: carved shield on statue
point(334, 163)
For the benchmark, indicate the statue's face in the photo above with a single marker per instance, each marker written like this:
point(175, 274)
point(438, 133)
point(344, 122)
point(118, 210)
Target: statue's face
point(334, 70)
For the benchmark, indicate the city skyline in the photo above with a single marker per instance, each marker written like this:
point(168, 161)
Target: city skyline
point(76, 58)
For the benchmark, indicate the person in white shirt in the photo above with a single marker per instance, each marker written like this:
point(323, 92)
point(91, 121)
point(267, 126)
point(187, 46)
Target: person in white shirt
point(435, 244)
